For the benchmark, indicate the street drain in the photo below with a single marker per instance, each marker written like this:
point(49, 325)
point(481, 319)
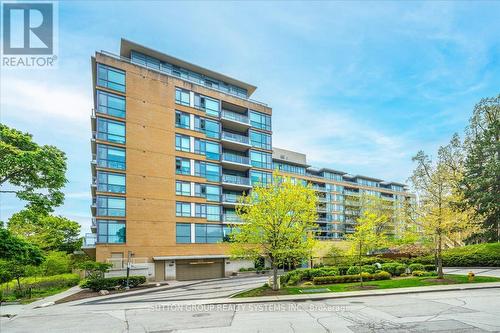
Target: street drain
point(356, 302)
point(196, 315)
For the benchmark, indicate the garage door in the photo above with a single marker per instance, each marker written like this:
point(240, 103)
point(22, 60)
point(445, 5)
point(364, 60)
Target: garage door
point(199, 269)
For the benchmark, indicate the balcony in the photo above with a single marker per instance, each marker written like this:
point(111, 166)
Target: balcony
point(231, 219)
point(93, 227)
point(235, 162)
point(89, 241)
point(321, 220)
point(321, 209)
point(235, 141)
point(322, 199)
point(235, 121)
point(351, 203)
point(235, 182)
point(231, 200)
point(319, 188)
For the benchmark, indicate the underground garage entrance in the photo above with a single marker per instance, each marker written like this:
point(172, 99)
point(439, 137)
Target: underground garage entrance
point(198, 269)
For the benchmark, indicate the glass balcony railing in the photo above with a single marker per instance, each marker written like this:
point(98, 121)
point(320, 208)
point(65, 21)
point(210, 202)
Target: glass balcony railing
point(226, 157)
point(230, 115)
point(235, 138)
point(89, 240)
point(238, 180)
point(231, 218)
point(233, 198)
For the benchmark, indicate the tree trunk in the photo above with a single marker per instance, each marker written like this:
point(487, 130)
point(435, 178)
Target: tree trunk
point(275, 276)
point(440, 258)
point(18, 283)
point(359, 264)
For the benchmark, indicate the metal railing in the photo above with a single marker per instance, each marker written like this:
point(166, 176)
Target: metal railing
point(231, 179)
point(226, 114)
point(235, 137)
point(120, 263)
point(235, 158)
point(128, 60)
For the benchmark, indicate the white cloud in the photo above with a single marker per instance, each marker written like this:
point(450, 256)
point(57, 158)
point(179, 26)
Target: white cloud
point(39, 99)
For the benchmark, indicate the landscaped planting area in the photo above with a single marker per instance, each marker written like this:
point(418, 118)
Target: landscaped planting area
point(383, 273)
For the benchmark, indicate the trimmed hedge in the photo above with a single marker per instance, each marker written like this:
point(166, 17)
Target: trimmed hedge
point(351, 278)
point(307, 274)
point(394, 268)
point(353, 270)
point(44, 282)
point(423, 273)
point(483, 255)
point(112, 282)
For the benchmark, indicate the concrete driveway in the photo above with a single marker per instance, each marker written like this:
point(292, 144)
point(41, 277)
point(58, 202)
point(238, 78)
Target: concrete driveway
point(479, 271)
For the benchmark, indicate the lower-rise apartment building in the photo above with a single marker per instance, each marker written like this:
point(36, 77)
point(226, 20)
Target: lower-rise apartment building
point(174, 145)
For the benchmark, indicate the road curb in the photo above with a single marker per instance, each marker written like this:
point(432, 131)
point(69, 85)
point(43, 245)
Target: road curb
point(350, 294)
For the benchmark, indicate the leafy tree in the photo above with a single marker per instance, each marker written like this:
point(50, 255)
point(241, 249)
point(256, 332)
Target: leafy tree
point(56, 262)
point(17, 256)
point(37, 173)
point(15, 248)
point(94, 269)
point(278, 223)
point(50, 233)
point(481, 182)
point(436, 186)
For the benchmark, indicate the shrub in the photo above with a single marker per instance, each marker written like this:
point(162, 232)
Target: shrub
point(112, 282)
point(485, 255)
point(419, 273)
point(43, 282)
point(416, 267)
point(395, 268)
point(366, 268)
point(351, 278)
point(423, 273)
point(294, 277)
point(430, 268)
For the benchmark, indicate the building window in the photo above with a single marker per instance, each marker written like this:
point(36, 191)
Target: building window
point(109, 231)
point(110, 206)
point(259, 178)
point(208, 148)
point(208, 233)
point(289, 168)
point(213, 213)
point(182, 143)
point(260, 140)
point(182, 166)
point(261, 160)
point(182, 96)
point(110, 104)
point(182, 119)
point(207, 170)
point(110, 130)
point(110, 77)
point(110, 157)
point(211, 128)
point(260, 120)
point(183, 233)
point(183, 209)
point(209, 105)
point(182, 188)
point(110, 182)
point(200, 210)
point(213, 193)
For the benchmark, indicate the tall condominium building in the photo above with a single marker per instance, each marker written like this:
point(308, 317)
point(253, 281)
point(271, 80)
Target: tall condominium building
point(174, 145)
point(339, 193)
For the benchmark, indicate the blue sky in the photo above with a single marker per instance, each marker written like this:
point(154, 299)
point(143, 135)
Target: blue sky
point(359, 87)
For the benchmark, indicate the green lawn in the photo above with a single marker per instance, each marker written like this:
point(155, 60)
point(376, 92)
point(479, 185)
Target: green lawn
point(383, 284)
